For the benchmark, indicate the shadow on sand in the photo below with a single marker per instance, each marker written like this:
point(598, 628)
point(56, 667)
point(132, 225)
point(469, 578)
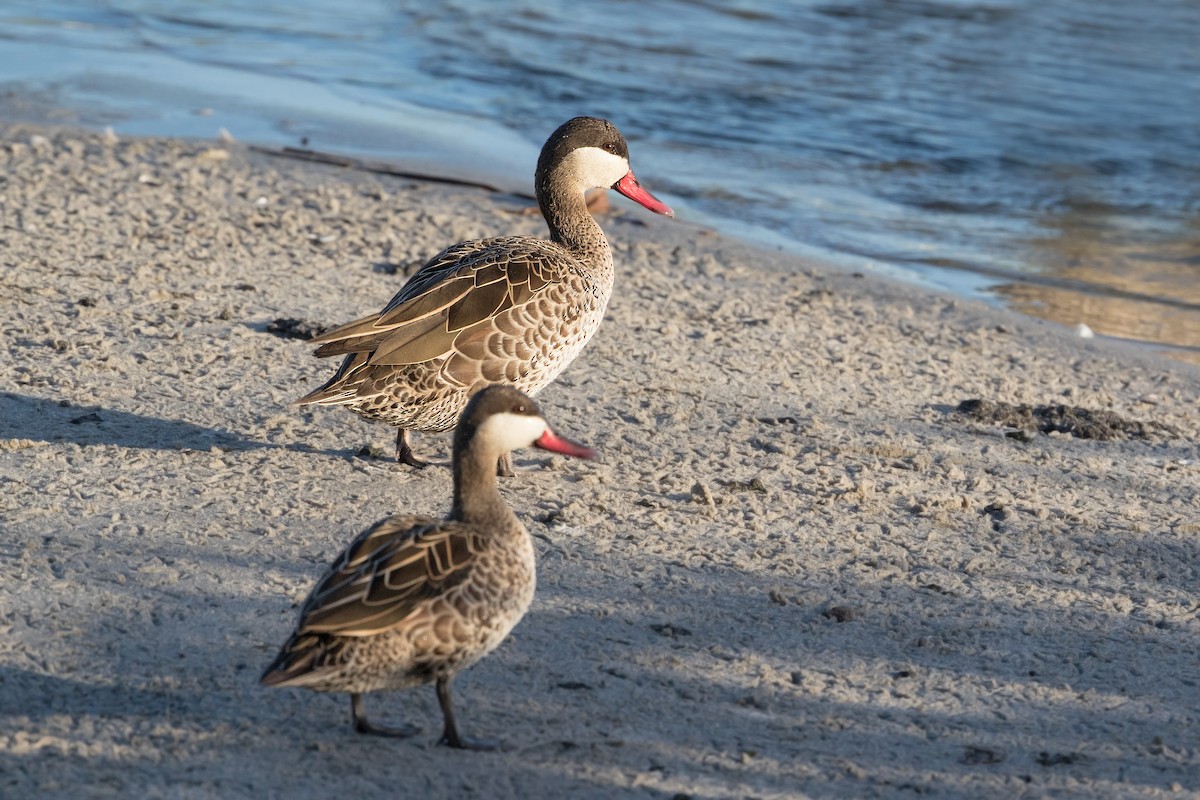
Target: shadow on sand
point(26, 417)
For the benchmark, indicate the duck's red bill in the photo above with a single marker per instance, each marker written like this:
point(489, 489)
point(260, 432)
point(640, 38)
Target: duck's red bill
point(630, 187)
point(548, 441)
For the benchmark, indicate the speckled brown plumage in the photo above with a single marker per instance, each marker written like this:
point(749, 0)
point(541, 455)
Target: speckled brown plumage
point(414, 600)
point(402, 606)
point(514, 310)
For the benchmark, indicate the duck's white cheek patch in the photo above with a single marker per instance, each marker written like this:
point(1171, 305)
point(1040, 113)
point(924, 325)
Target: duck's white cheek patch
point(512, 431)
point(597, 167)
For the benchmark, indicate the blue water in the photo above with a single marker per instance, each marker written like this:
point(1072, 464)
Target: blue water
point(1044, 153)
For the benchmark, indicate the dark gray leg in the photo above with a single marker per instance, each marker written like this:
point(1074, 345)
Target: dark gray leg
point(404, 453)
point(450, 736)
point(504, 466)
point(362, 726)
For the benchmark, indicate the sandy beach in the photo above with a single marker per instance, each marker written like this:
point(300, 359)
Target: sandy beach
point(797, 570)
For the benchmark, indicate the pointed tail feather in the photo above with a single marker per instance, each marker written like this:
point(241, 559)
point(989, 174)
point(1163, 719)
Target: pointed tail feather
point(297, 663)
point(342, 387)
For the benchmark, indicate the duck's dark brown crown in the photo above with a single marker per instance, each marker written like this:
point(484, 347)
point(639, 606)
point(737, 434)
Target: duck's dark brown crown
point(488, 402)
point(580, 132)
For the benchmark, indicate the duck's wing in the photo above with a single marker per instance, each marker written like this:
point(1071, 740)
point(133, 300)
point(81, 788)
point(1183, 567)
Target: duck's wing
point(498, 284)
point(375, 585)
point(379, 580)
point(364, 334)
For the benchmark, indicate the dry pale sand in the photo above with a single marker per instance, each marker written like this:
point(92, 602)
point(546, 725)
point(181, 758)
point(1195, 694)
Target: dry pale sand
point(796, 571)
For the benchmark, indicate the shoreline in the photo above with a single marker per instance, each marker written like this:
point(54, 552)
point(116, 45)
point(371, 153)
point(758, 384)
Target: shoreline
point(1026, 293)
point(795, 571)
point(1094, 290)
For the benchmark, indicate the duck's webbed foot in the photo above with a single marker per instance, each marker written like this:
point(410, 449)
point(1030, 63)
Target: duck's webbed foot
point(450, 736)
point(404, 453)
point(362, 725)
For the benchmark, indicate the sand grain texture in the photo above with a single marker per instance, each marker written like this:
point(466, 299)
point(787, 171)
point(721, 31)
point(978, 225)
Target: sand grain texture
point(796, 570)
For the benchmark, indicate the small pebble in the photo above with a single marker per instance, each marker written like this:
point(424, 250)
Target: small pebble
point(840, 614)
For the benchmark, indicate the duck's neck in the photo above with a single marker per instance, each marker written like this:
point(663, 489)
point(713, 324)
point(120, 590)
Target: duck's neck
point(571, 224)
point(476, 498)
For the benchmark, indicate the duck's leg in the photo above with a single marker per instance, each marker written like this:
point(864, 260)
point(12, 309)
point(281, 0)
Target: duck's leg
point(504, 466)
point(404, 453)
point(362, 726)
point(450, 736)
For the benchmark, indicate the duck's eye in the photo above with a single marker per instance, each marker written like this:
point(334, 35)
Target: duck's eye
point(521, 409)
point(611, 147)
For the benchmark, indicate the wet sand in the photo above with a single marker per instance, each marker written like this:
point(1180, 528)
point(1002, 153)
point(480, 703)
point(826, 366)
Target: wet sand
point(796, 570)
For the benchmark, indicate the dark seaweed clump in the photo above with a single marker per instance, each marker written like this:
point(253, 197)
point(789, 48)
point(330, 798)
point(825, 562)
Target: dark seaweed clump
point(294, 329)
point(1082, 423)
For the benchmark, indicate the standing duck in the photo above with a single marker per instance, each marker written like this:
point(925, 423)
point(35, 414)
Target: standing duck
point(512, 309)
point(415, 599)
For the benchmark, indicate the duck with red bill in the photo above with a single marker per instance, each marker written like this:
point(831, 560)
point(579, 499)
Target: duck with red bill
point(512, 309)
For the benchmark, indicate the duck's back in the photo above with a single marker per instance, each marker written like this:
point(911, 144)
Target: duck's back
point(410, 600)
point(513, 310)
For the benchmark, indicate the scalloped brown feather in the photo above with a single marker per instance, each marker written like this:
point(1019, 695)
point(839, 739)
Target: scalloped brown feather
point(513, 309)
point(381, 577)
point(500, 310)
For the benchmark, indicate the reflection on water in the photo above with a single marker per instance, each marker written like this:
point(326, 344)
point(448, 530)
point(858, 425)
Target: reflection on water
point(1120, 280)
point(1140, 320)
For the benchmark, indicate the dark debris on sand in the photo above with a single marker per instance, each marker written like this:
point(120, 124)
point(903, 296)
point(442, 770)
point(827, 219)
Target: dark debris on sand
point(1082, 423)
point(294, 328)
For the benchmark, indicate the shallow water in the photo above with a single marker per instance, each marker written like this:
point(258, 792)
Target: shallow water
point(1045, 154)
